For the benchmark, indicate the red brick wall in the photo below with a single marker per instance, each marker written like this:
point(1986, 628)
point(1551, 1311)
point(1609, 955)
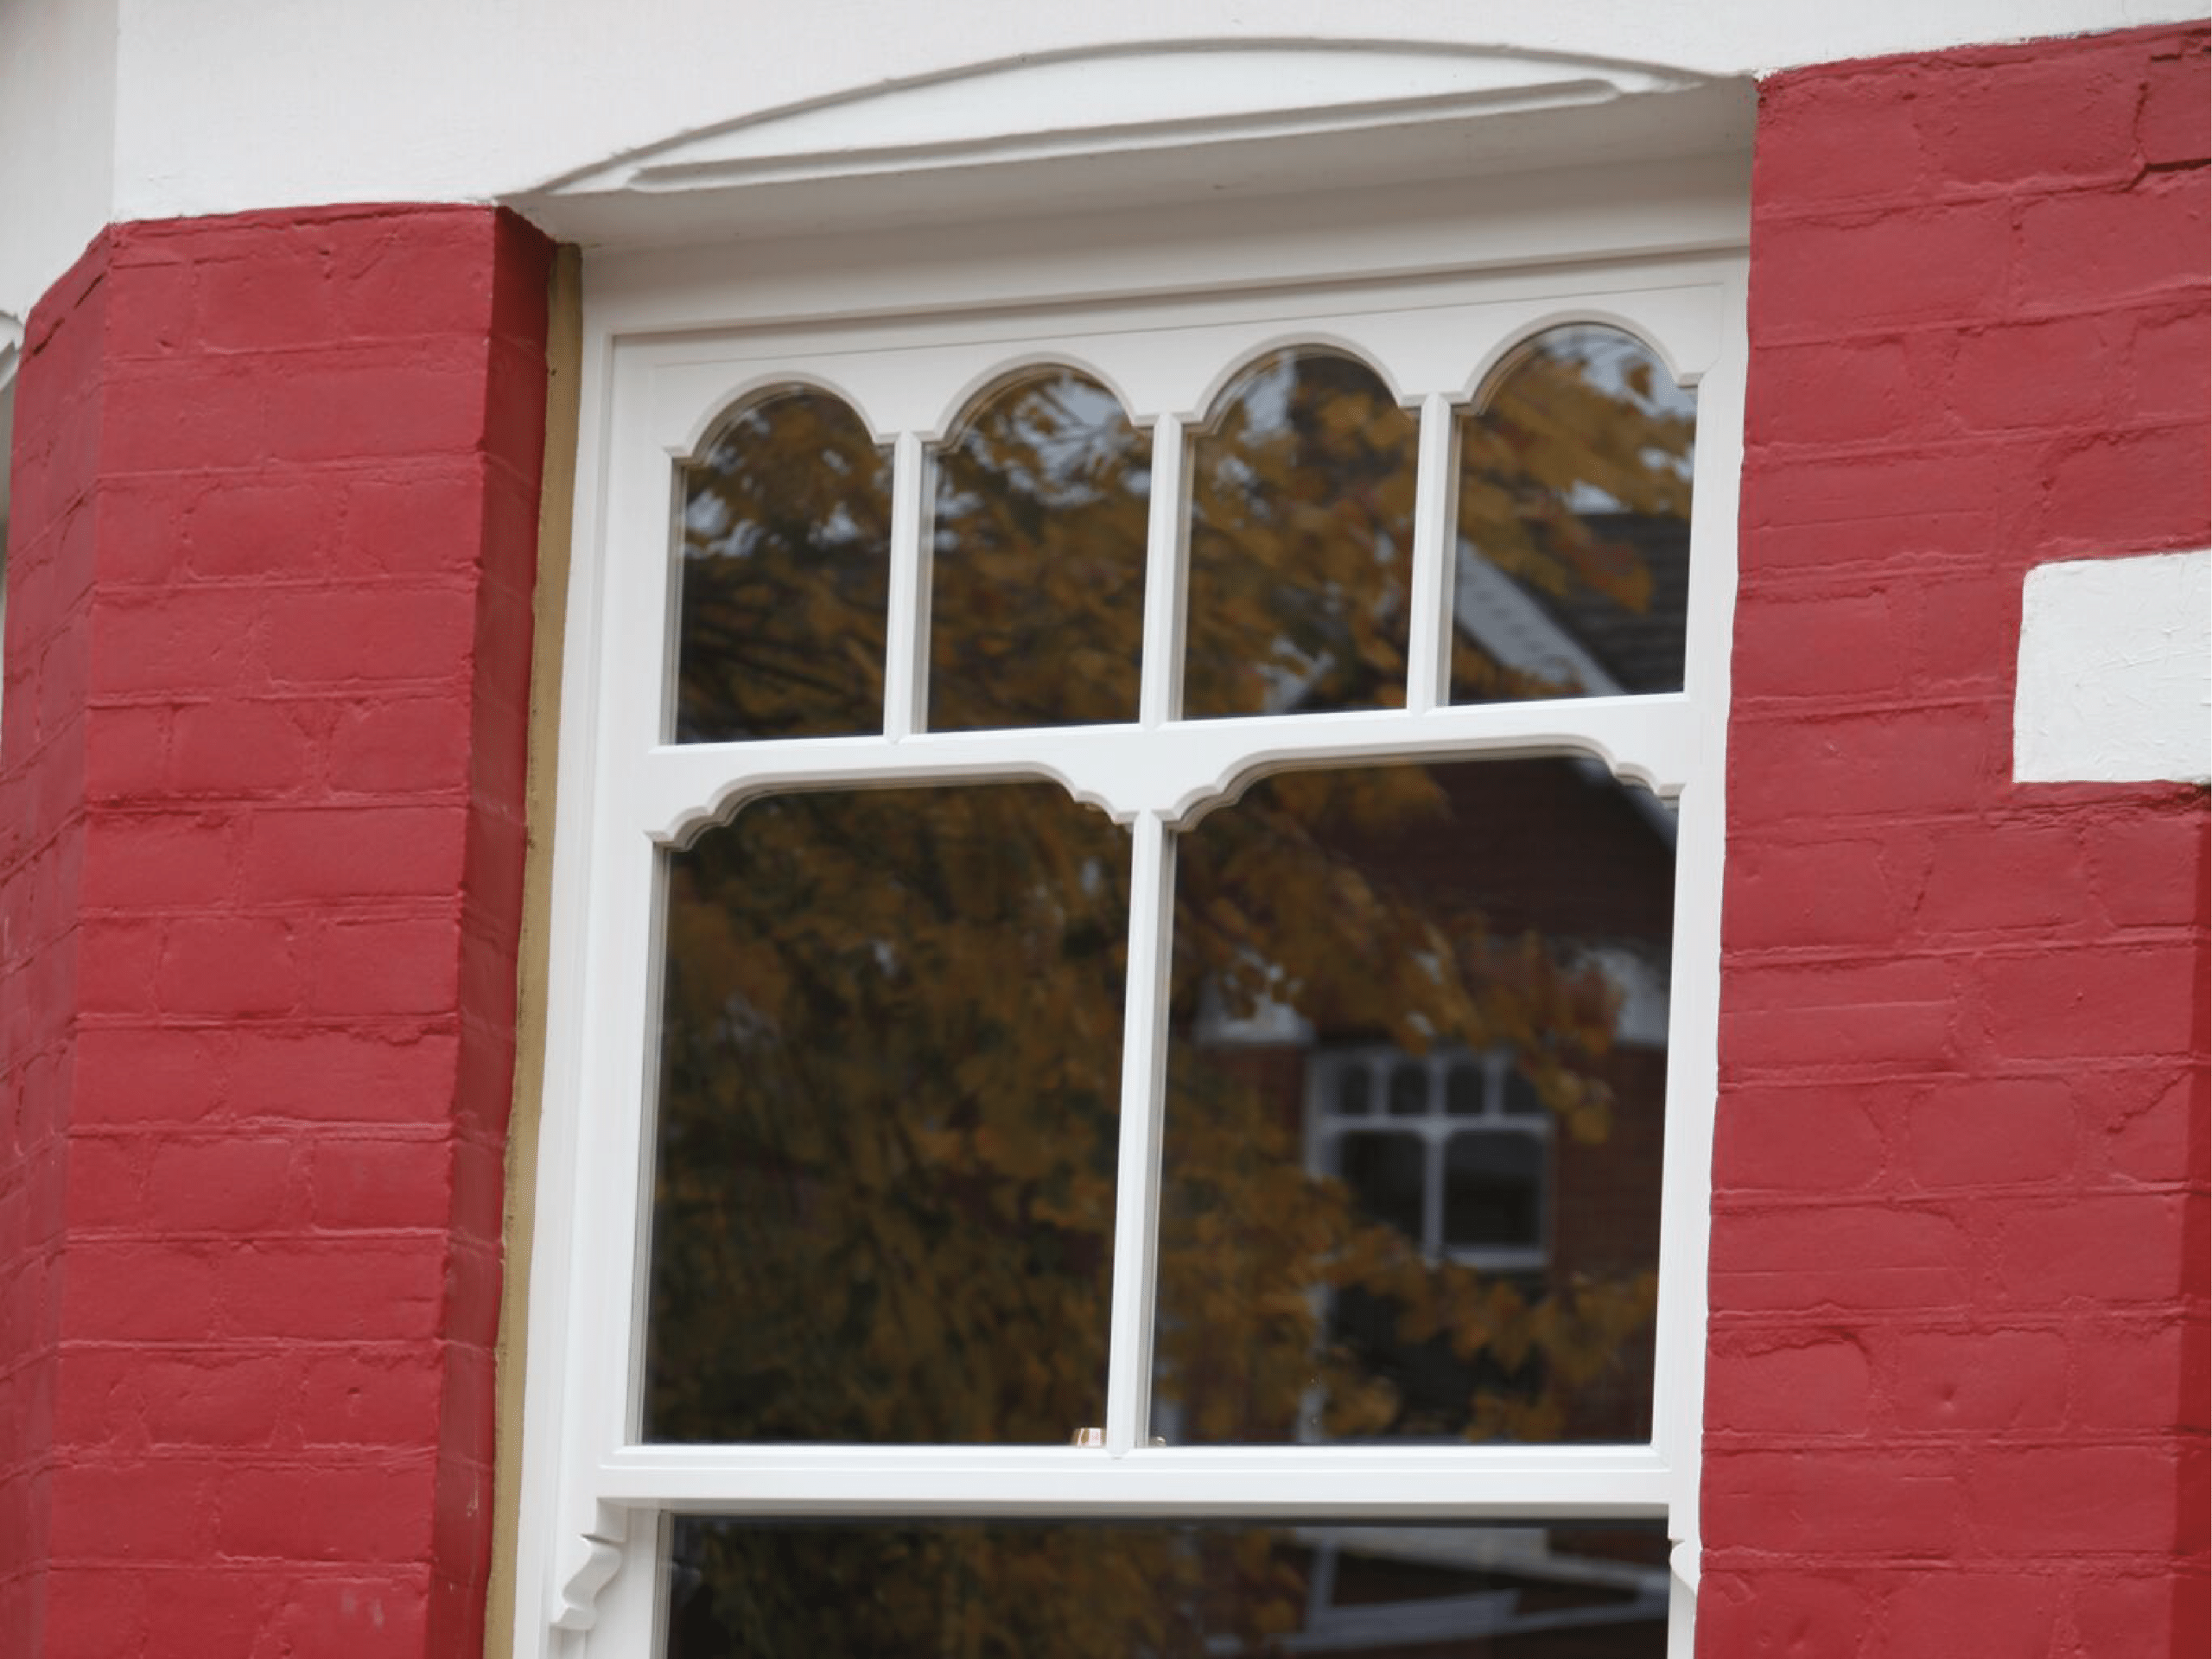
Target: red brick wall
point(1957, 1386)
point(261, 845)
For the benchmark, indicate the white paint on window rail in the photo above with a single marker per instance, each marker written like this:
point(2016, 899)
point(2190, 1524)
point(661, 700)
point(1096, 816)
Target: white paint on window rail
point(2115, 683)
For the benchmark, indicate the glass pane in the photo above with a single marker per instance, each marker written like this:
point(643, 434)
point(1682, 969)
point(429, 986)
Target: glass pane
point(1408, 1089)
point(1037, 612)
point(1386, 1174)
point(1147, 1590)
point(1462, 1090)
point(1301, 537)
point(1522, 1099)
point(784, 575)
point(1574, 524)
point(890, 1053)
point(1507, 909)
point(1493, 1191)
point(1351, 1091)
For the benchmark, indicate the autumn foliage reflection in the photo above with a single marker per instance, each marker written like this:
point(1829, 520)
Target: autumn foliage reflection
point(891, 1031)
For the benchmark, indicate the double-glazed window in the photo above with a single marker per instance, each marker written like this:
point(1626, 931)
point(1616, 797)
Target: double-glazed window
point(1128, 1093)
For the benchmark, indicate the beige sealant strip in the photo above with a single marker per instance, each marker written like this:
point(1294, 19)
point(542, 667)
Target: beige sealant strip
point(548, 607)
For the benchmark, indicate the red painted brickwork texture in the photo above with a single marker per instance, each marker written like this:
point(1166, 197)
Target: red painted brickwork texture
point(1957, 1380)
point(261, 845)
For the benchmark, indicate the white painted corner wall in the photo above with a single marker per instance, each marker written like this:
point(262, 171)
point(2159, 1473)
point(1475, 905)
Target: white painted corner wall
point(114, 110)
point(2115, 683)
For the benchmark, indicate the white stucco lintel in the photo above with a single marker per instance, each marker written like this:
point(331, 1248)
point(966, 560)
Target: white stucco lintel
point(114, 110)
point(2115, 681)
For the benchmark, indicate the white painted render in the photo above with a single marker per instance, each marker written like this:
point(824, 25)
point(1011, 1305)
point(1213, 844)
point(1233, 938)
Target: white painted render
point(2115, 671)
point(57, 142)
point(115, 110)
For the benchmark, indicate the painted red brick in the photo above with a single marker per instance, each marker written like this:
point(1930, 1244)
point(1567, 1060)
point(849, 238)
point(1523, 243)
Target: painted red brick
point(250, 504)
point(1993, 1132)
point(1857, 1503)
point(352, 851)
point(2045, 118)
point(2066, 257)
point(1870, 271)
point(2117, 999)
point(1831, 893)
point(1977, 322)
point(381, 1183)
point(2174, 125)
point(2143, 490)
point(1981, 1382)
point(1779, 1611)
point(2110, 1248)
point(1816, 1387)
point(2077, 1499)
point(1992, 1616)
point(1820, 1138)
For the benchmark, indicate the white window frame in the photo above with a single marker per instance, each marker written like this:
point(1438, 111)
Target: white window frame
point(1327, 1128)
point(906, 328)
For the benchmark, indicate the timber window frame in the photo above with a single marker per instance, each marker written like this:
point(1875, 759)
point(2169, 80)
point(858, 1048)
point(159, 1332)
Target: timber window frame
point(671, 347)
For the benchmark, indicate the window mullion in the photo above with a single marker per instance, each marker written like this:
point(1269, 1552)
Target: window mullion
point(1428, 651)
point(1167, 540)
point(906, 668)
point(1136, 1189)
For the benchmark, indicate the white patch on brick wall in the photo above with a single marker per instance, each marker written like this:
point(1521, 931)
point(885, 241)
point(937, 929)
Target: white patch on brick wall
point(2115, 671)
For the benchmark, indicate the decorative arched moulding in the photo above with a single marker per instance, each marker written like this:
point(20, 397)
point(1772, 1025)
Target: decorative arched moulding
point(1142, 123)
point(924, 388)
point(1176, 773)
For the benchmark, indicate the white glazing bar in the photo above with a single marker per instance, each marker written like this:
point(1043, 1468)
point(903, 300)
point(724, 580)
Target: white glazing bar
point(906, 668)
point(1136, 1188)
point(1518, 1483)
point(1436, 492)
point(1172, 770)
point(1167, 542)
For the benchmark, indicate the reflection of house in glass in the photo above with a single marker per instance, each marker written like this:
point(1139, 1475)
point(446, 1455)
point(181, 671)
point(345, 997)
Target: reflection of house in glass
point(1577, 1591)
point(1513, 1140)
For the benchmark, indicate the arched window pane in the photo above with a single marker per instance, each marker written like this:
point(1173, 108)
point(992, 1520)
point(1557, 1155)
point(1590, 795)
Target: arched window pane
point(1037, 606)
point(1416, 1273)
point(890, 1056)
point(1574, 524)
point(1301, 540)
point(784, 572)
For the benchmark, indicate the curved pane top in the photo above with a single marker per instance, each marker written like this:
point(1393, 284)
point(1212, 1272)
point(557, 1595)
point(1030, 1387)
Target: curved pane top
point(784, 569)
point(1037, 612)
point(1573, 576)
point(1301, 542)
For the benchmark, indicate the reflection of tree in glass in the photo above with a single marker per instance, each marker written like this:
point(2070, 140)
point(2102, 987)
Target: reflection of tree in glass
point(889, 1062)
point(892, 1019)
point(1301, 540)
point(1038, 596)
point(1309, 894)
point(1574, 483)
point(785, 546)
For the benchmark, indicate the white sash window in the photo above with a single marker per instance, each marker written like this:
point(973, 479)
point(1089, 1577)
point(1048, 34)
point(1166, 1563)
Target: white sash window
point(1137, 935)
